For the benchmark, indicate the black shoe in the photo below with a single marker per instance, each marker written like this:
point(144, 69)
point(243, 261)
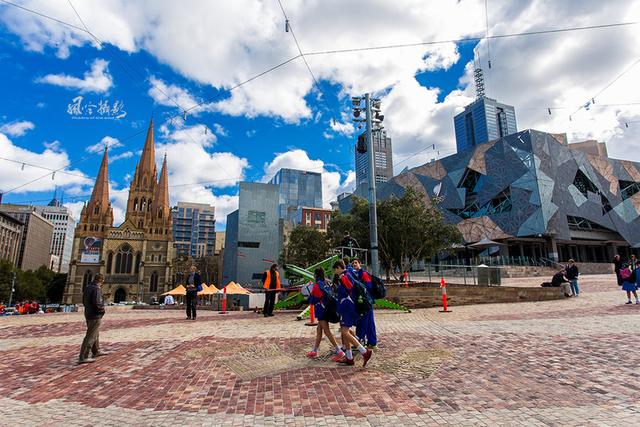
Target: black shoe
point(188, 318)
point(86, 360)
point(271, 314)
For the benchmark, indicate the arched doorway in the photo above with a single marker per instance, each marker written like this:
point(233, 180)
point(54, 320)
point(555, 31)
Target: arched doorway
point(120, 296)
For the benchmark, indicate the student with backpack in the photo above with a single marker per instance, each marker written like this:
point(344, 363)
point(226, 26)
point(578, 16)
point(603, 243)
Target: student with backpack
point(365, 325)
point(629, 277)
point(352, 297)
point(324, 306)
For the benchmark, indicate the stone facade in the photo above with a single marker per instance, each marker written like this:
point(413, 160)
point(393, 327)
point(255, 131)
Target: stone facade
point(34, 251)
point(10, 236)
point(136, 256)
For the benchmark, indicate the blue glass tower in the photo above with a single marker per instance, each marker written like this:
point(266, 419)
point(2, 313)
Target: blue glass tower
point(297, 188)
point(482, 121)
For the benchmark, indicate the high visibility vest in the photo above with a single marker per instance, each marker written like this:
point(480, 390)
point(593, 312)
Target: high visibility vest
point(267, 282)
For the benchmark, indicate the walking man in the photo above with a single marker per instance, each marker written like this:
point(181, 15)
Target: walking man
point(93, 312)
point(271, 285)
point(194, 284)
point(572, 275)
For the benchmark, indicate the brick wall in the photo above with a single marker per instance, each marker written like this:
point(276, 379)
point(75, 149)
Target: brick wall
point(425, 295)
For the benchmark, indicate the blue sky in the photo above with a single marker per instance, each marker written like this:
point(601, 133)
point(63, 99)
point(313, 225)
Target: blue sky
point(279, 120)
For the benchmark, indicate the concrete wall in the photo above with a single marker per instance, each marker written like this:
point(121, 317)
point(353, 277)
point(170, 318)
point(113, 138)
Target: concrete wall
point(425, 296)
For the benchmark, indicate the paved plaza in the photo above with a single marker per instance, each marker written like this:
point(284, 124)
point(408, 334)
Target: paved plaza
point(569, 362)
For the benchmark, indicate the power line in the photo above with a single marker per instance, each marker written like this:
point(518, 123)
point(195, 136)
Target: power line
point(472, 39)
point(46, 168)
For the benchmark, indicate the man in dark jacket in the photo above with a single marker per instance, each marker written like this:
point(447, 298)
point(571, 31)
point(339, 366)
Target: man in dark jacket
point(194, 284)
point(560, 280)
point(572, 275)
point(93, 312)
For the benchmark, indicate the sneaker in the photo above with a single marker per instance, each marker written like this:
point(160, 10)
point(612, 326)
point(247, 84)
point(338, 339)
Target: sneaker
point(366, 356)
point(346, 361)
point(312, 354)
point(87, 360)
point(628, 302)
point(372, 347)
point(337, 357)
point(638, 302)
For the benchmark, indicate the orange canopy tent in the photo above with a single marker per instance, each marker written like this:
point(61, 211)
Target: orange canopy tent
point(178, 290)
point(208, 290)
point(235, 289)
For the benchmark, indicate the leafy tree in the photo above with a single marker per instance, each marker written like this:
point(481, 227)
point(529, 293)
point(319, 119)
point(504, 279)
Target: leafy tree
point(355, 224)
point(29, 286)
point(54, 289)
point(306, 246)
point(6, 276)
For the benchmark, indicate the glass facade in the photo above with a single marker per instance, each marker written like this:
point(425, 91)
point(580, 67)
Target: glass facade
point(482, 121)
point(383, 158)
point(194, 229)
point(297, 188)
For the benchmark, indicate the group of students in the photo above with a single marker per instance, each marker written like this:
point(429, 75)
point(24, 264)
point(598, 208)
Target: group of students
point(24, 307)
point(341, 302)
point(628, 276)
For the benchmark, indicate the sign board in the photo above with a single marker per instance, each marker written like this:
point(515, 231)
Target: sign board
point(91, 250)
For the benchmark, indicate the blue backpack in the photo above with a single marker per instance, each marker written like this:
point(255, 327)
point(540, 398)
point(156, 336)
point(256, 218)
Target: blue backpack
point(378, 291)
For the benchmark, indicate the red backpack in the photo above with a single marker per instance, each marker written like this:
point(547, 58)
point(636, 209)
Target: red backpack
point(625, 273)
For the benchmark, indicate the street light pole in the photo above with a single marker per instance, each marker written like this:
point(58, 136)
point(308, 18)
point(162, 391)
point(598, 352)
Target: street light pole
point(13, 288)
point(373, 214)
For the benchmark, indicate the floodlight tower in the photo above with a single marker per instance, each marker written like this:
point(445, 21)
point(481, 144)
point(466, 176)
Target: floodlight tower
point(372, 123)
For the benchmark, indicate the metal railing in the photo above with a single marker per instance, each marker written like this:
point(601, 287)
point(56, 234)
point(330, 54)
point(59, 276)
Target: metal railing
point(459, 274)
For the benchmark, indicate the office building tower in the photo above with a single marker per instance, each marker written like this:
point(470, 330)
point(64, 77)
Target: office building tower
point(10, 238)
point(252, 241)
point(482, 121)
point(383, 162)
point(297, 188)
point(35, 244)
point(194, 229)
point(63, 228)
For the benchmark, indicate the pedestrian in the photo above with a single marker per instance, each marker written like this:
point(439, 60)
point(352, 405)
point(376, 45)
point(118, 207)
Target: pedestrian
point(324, 306)
point(93, 313)
point(271, 285)
point(348, 316)
point(572, 275)
point(194, 285)
point(633, 262)
point(560, 280)
point(617, 266)
point(365, 325)
point(629, 278)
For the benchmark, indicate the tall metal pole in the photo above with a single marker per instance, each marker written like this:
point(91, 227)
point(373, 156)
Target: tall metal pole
point(13, 288)
point(373, 216)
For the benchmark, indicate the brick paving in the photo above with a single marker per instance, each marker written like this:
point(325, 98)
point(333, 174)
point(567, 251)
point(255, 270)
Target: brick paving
point(569, 362)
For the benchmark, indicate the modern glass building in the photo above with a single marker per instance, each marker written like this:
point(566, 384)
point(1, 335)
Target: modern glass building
point(63, 229)
point(252, 240)
point(194, 229)
point(482, 121)
point(297, 188)
point(383, 162)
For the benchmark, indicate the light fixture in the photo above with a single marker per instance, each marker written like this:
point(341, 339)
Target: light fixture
point(355, 101)
point(356, 112)
point(286, 26)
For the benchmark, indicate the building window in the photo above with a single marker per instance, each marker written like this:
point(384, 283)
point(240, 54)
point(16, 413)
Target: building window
point(109, 262)
point(86, 279)
point(153, 282)
point(135, 204)
point(256, 217)
point(628, 188)
point(137, 267)
point(149, 205)
point(249, 244)
point(469, 129)
point(124, 260)
point(143, 203)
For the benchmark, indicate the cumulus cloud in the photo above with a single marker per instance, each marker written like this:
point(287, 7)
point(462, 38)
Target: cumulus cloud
point(13, 174)
point(96, 80)
point(120, 156)
point(17, 128)
point(171, 95)
point(107, 141)
point(333, 182)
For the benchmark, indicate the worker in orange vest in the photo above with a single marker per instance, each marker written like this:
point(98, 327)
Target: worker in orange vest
point(271, 285)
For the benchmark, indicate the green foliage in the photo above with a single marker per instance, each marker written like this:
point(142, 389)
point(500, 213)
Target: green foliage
point(29, 287)
point(408, 230)
point(306, 246)
point(42, 284)
point(6, 274)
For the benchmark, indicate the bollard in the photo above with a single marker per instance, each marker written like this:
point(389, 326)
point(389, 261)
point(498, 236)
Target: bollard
point(443, 286)
point(312, 316)
point(224, 301)
point(406, 280)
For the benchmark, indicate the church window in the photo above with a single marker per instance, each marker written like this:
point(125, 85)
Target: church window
point(124, 260)
point(144, 182)
point(135, 204)
point(137, 269)
point(85, 227)
point(142, 204)
point(160, 213)
point(140, 224)
point(149, 205)
point(96, 210)
point(153, 282)
point(109, 262)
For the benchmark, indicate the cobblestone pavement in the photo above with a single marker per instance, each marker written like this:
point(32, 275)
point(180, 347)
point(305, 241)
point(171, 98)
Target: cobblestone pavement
point(569, 362)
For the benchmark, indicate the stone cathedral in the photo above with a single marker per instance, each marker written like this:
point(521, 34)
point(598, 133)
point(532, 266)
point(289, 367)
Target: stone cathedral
point(136, 256)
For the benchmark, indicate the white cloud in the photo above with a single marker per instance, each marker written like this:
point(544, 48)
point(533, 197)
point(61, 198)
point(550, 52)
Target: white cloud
point(344, 128)
point(332, 182)
point(17, 128)
point(98, 147)
point(96, 80)
point(220, 130)
point(13, 174)
point(123, 155)
point(171, 95)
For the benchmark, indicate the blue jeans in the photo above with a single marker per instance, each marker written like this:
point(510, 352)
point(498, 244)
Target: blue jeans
point(575, 288)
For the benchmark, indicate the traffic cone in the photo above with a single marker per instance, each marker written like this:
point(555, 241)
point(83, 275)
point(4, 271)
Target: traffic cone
point(312, 317)
point(224, 301)
point(443, 286)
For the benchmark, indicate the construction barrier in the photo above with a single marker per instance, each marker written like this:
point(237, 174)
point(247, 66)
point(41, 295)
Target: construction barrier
point(224, 301)
point(443, 286)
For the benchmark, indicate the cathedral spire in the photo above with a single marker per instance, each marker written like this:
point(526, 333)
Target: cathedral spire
point(162, 192)
point(100, 193)
point(148, 158)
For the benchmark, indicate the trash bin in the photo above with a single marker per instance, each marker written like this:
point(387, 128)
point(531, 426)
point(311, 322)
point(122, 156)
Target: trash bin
point(489, 276)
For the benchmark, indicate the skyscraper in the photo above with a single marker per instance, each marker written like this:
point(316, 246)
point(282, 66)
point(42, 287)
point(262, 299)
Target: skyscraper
point(194, 229)
point(37, 233)
point(63, 227)
point(383, 162)
point(297, 188)
point(483, 120)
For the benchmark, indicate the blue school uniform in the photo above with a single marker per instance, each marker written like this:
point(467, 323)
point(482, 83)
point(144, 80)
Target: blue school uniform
point(346, 306)
point(629, 284)
point(366, 325)
point(317, 298)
